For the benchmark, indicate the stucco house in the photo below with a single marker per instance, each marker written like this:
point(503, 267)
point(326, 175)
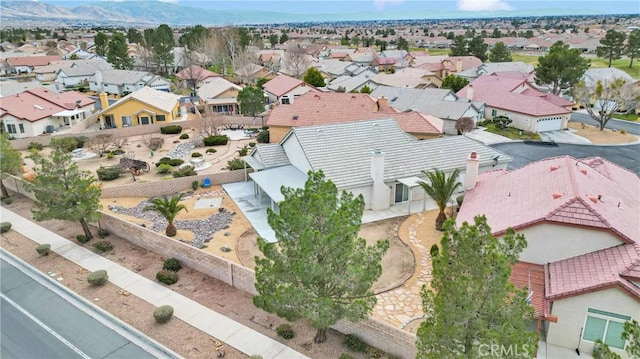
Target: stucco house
point(250, 73)
point(313, 109)
point(123, 82)
point(284, 89)
point(27, 64)
point(79, 72)
point(580, 220)
point(197, 75)
point(143, 107)
point(375, 158)
point(40, 110)
point(530, 109)
point(220, 96)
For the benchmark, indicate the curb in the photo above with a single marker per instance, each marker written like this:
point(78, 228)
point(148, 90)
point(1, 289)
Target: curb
point(130, 333)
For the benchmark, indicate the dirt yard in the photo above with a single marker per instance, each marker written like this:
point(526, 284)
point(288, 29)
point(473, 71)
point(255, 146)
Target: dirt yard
point(605, 137)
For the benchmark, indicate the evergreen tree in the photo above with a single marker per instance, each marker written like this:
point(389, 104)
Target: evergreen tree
point(633, 46)
point(163, 44)
point(561, 67)
point(471, 304)
point(118, 54)
point(63, 191)
point(478, 48)
point(314, 77)
point(500, 53)
point(454, 83)
point(283, 38)
point(134, 36)
point(273, 40)
point(612, 46)
point(10, 161)
point(251, 100)
point(459, 46)
point(319, 270)
point(101, 42)
point(402, 44)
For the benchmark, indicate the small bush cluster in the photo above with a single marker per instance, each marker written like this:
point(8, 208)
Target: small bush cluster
point(185, 171)
point(163, 313)
point(35, 146)
point(354, 343)
point(170, 130)
point(263, 137)
point(5, 227)
point(243, 151)
point(215, 140)
point(67, 144)
point(82, 238)
point(196, 154)
point(167, 277)
point(172, 264)
point(108, 173)
point(103, 232)
point(345, 356)
point(43, 249)
point(154, 143)
point(252, 144)
point(184, 136)
point(235, 164)
point(373, 353)
point(103, 246)
point(164, 168)
point(285, 331)
point(211, 150)
point(7, 200)
point(169, 161)
point(98, 277)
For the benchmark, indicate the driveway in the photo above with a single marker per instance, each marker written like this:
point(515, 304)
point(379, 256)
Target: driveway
point(561, 136)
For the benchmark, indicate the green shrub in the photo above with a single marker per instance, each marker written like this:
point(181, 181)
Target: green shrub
point(5, 227)
point(345, 356)
point(285, 331)
point(184, 136)
point(255, 356)
point(172, 264)
point(623, 131)
point(80, 140)
point(459, 200)
point(67, 144)
point(167, 277)
point(103, 232)
point(263, 137)
point(235, 164)
point(164, 168)
point(169, 161)
point(43, 249)
point(98, 277)
point(118, 152)
point(354, 343)
point(196, 154)
point(7, 200)
point(163, 313)
point(211, 150)
point(252, 144)
point(37, 146)
point(243, 151)
point(103, 246)
point(215, 140)
point(108, 173)
point(82, 238)
point(184, 172)
point(373, 353)
point(110, 155)
point(171, 130)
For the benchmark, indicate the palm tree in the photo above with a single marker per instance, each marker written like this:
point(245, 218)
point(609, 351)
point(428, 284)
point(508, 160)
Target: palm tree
point(168, 207)
point(441, 187)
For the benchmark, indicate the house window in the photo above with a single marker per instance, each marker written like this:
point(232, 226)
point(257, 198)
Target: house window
point(402, 193)
point(285, 100)
point(159, 117)
point(494, 113)
point(605, 326)
point(126, 121)
point(21, 126)
point(11, 128)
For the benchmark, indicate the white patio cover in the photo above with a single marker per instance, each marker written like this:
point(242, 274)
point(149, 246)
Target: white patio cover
point(271, 180)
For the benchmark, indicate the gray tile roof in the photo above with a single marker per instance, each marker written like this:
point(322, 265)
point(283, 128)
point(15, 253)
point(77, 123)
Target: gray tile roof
point(343, 151)
point(429, 101)
point(271, 155)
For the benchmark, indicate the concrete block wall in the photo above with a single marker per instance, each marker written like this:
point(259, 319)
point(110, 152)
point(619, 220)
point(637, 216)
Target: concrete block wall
point(382, 336)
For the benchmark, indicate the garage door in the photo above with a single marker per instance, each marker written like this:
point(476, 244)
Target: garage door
point(549, 124)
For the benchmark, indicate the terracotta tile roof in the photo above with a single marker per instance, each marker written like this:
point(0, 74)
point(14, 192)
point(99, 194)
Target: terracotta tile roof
point(531, 276)
point(386, 61)
point(35, 104)
point(312, 109)
point(195, 72)
point(32, 60)
point(561, 190)
point(549, 97)
point(593, 271)
point(281, 84)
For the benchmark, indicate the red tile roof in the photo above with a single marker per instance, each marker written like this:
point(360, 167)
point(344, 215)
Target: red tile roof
point(281, 84)
point(561, 190)
point(312, 109)
point(593, 271)
point(531, 277)
point(195, 72)
point(36, 104)
point(68, 100)
point(32, 60)
point(386, 61)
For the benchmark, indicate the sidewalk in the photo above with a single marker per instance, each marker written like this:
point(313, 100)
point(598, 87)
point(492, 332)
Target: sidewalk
point(218, 326)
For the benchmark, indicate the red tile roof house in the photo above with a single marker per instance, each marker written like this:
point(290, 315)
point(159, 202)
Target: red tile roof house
point(313, 109)
point(581, 220)
point(195, 74)
point(516, 98)
point(26, 64)
point(283, 89)
point(37, 111)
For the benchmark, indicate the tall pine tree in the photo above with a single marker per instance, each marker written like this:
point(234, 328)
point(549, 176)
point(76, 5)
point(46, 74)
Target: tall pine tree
point(612, 46)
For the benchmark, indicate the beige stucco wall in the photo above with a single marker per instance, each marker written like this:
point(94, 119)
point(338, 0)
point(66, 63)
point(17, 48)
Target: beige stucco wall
point(548, 242)
point(572, 313)
point(277, 133)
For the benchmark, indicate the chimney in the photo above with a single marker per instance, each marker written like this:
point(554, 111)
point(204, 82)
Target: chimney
point(471, 175)
point(381, 102)
point(104, 102)
point(98, 76)
point(459, 65)
point(470, 92)
point(379, 191)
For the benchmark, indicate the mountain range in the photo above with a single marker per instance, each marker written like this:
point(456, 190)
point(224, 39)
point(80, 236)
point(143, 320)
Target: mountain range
point(146, 13)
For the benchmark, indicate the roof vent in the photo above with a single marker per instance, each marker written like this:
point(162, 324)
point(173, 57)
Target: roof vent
point(553, 168)
point(593, 199)
point(37, 107)
point(557, 195)
point(584, 171)
point(295, 117)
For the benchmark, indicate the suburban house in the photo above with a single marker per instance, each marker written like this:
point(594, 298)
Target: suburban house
point(496, 67)
point(332, 68)
point(27, 64)
point(605, 75)
point(401, 58)
point(250, 73)
point(123, 82)
point(142, 107)
point(444, 66)
point(580, 220)
point(271, 59)
point(80, 73)
point(353, 83)
point(517, 99)
point(50, 72)
point(408, 77)
point(441, 103)
point(194, 74)
point(375, 158)
point(313, 109)
point(220, 96)
point(284, 89)
point(40, 110)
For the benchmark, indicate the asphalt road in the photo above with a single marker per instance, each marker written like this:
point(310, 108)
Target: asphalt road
point(39, 323)
point(627, 156)
point(630, 127)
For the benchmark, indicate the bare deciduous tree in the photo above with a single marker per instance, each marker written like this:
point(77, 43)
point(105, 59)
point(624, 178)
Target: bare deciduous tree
point(210, 124)
point(153, 141)
point(100, 143)
point(605, 98)
point(296, 60)
point(464, 124)
point(118, 141)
